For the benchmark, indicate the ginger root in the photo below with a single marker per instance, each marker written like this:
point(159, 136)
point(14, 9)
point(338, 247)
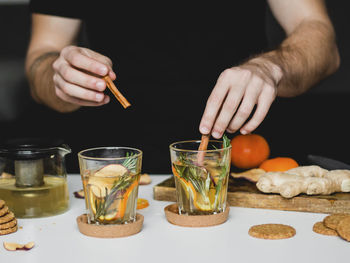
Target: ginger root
point(311, 180)
point(251, 175)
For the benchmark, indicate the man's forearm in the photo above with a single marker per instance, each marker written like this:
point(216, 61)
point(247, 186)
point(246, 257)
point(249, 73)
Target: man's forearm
point(304, 58)
point(40, 77)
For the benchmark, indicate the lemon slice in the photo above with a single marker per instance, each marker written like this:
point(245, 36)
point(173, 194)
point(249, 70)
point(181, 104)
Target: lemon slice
point(102, 181)
point(111, 170)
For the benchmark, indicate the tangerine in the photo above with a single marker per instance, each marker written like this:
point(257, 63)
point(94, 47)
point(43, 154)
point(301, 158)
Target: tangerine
point(278, 164)
point(249, 150)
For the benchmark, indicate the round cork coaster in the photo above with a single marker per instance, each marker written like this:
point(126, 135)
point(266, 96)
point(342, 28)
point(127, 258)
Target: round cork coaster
point(109, 231)
point(173, 216)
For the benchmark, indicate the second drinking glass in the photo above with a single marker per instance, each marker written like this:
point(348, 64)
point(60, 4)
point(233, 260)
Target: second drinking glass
point(110, 178)
point(201, 177)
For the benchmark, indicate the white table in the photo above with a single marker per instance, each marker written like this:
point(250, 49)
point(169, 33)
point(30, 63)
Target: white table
point(58, 239)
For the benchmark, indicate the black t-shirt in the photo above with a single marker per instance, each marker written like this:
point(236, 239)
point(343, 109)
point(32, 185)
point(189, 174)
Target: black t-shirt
point(167, 58)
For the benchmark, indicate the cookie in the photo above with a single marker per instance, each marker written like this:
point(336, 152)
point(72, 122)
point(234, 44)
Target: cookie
point(145, 179)
point(272, 231)
point(2, 203)
point(331, 221)
point(4, 210)
point(343, 228)
point(7, 217)
point(9, 224)
point(8, 231)
point(320, 228)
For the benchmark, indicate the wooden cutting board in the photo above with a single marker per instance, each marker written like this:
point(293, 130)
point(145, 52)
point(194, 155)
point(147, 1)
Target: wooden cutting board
point(243, 193)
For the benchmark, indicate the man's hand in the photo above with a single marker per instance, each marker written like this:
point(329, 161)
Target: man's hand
point(307, 55)
point(77, 73)
point(235, 95)
point(62, 75)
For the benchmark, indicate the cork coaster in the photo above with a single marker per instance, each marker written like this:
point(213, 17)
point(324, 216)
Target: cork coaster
point(7, 217)
point(320, 228)
point(173, 216)
point(4, 210)
point(343, 228)
point(8, 231)
point(2, 203)
point(272, 231)
point(9, 224)
point(109, 231)
point(333, 220)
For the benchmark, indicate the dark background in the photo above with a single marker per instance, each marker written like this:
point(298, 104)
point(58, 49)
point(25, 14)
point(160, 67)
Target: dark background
point(313, 123)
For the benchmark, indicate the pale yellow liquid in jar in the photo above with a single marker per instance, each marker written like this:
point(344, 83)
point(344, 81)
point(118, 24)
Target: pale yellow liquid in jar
point(50, 199)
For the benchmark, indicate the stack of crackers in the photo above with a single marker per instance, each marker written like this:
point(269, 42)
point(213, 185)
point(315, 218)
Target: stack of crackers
point(334, 225)
point(8, 222)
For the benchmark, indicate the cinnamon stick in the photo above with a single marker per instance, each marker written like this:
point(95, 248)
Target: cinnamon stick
point(204, 142)
point(123, 101)
point(202, 147)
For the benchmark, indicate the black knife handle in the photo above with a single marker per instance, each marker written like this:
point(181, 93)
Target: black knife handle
point(327, 163)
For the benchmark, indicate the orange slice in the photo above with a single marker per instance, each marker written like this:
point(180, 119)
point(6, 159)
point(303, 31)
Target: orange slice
point(124, 200)
point(142, 203)
point(199, 201)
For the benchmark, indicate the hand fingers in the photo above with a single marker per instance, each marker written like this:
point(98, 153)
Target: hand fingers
point(250, 98)
point(265, 100)
point(229, 107)
point(87, 60)
point(77, 101)
point(77, 77)
point(217, 97)
point(76, 91)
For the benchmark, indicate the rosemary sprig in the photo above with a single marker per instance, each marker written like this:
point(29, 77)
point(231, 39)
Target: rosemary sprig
point(130, 162)
point(196, 175)
point(116, 192)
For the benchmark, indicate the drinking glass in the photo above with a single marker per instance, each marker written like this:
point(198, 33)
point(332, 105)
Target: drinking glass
point(110, 177)
point(201, 177)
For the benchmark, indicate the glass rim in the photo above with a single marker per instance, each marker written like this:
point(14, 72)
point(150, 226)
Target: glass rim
point(81, 153)
point(171, 146)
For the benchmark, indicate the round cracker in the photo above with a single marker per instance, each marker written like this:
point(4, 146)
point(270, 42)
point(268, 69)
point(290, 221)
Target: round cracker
point(320, 228)
point(332, 221)
point(9, 224)
point(343, 228)
point(7, 217)
point(4, 210)
point(272, 231)
point(8, 231)
point(2, 203)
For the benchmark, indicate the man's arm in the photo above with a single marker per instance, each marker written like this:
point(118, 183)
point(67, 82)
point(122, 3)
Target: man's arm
point(50, 34)
point(307, 55)
point(62, 76)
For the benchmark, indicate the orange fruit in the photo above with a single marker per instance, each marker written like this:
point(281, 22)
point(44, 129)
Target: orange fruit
point(249, 150)
point(278, 164)
point(142, 203)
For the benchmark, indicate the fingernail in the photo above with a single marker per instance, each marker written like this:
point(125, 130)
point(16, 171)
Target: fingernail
point(243, 132)
point(100, 85)
point(106, 100)
point(216, 135)
point(204, 130)
point(103, 71)
point(99, 97)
